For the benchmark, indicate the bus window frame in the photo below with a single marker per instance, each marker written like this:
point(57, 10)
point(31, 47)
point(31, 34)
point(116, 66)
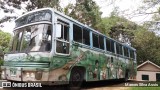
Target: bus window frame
point(60, 20)
point(81, 43)
point(28, 14)
point(31, 24)
point(80, 31)
point(95, 48)
point(118, 51)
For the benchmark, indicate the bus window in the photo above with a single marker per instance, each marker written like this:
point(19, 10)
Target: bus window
point(101, 42)
point(126, 52)
point(77, 33)
point(66, 33)
point(86, 37)
point(108, 45)
point(17, 41)
point(132, 54)
point(112, 46)
point(81, 35)
point(98, 41)
point(95, 40)
point(119, 48)
point(62, 45)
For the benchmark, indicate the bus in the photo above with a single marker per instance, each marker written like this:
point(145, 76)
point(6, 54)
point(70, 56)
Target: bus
point(50, 46)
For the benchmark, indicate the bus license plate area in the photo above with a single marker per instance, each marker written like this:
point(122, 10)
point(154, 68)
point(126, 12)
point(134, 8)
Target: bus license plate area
point(13, 72)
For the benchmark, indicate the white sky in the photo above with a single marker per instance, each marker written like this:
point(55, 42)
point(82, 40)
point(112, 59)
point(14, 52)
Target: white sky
point(124, 5)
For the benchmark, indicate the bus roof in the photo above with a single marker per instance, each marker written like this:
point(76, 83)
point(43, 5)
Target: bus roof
point(73, 20)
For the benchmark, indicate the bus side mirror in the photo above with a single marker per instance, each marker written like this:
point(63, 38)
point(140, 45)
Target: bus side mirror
point(58, 30)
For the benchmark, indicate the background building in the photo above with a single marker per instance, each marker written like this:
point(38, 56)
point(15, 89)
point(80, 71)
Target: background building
point(148, 71)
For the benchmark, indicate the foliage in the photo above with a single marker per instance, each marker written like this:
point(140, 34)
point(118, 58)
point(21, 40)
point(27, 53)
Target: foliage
point(85, 11)
point(4, 41)
point(118, 27)
point(1, 62)
point(144, 41)
point(152, 25)
point(147, 45)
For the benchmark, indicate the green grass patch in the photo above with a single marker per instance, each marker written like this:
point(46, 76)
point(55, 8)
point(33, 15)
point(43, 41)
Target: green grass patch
point(145, 88)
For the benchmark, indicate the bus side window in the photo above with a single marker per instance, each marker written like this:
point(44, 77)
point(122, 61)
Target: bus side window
point(132, 54)
point(62, 42)
point(112, 47)
point(95, 40)
point(126, 52)
point(98, 41)
point(48, 38)
point(119, 48)
point(86, 37)
point(108, 45)
point(101, 42)
point(77, 33)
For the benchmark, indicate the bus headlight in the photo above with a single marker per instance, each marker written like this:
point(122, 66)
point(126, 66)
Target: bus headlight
point(32, 75)
point(27, 75)
point(3, 74)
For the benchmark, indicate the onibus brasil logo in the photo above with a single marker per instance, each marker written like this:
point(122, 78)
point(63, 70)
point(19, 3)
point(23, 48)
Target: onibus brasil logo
point(4, 84)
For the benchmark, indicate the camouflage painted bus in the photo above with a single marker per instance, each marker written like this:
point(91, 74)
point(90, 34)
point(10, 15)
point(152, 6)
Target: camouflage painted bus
point(50, 46)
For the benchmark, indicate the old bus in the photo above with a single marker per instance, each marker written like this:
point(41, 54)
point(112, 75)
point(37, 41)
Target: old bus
point(50, 46)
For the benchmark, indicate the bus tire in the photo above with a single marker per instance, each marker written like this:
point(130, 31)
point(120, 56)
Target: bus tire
point(76, 78)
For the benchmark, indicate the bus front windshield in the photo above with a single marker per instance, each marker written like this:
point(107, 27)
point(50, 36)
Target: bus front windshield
point(32, 38)
point(44, 15)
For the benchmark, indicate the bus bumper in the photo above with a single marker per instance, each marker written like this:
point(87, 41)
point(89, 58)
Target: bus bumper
point(24, 73)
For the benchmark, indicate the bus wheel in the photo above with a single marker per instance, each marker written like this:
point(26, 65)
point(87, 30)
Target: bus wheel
point(76, 78)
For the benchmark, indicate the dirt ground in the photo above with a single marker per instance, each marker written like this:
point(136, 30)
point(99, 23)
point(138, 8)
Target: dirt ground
point(109, 88)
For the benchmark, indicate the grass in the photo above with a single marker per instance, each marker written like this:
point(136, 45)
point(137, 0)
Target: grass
point(145, 88)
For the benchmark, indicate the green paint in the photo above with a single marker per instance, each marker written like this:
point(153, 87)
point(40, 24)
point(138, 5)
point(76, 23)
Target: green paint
point(99, 66)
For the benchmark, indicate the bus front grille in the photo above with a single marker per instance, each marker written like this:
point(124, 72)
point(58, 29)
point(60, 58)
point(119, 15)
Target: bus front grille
point(27, 64)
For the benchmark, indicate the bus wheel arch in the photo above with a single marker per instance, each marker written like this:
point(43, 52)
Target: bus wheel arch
point(77, 76)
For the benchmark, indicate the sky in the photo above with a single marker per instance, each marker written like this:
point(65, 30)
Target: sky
point(127, 7)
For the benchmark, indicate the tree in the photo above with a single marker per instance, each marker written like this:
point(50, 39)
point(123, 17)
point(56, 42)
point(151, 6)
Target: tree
point(85, 11)
point(148, 7)
point(4, 41)
point(119, 28)
point(8, 6)
point(147, 45)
